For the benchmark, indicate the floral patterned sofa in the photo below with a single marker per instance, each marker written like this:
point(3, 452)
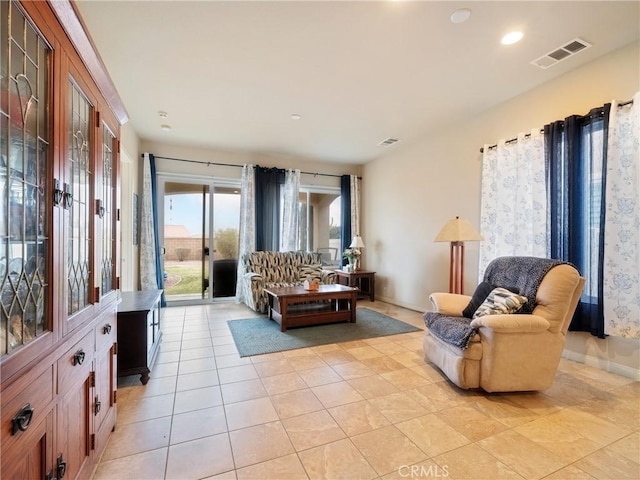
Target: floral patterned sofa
point(278, 269)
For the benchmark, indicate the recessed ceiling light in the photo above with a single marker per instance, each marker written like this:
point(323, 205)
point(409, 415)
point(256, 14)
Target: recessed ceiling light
point(461, 15)
point(295, 116)
point(162, 114)
point(511, 38)
point(165, 128)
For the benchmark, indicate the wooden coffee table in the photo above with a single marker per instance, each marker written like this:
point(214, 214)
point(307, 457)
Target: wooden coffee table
point(295, 306)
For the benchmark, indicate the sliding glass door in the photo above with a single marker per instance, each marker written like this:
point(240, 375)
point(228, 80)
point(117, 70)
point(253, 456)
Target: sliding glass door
point(226, 230)
point(200, 240)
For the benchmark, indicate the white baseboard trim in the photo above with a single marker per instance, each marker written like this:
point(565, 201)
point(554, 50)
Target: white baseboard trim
point(398, 303)
point(602, 364)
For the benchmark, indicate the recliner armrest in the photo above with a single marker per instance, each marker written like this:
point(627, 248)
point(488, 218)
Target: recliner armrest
point(450, 304)
point(512, 323)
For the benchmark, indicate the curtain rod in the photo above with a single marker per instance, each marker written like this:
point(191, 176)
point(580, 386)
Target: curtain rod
point(527, 135)
point(315, 174)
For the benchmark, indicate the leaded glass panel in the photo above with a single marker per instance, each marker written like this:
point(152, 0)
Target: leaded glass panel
point(24, 157)
point(108, 146)
point(77, 196)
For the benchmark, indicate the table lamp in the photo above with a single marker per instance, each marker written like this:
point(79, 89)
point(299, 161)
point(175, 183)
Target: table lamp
point(359, 244)
point(457, 231)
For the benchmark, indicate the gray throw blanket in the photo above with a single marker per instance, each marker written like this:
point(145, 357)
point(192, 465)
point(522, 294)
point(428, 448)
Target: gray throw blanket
point(521, 273)
point(453, 330)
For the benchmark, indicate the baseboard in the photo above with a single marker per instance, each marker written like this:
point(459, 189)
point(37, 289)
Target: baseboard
point(602, 364)
point(397, 303)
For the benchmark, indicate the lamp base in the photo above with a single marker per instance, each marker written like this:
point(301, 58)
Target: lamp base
point(456, 268)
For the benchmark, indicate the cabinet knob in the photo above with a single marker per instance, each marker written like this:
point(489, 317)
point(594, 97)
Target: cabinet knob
point(78, 357)
point(62, 467)
point(97, 406)
point(57, 192)
point(68, 196)
point(21, 421)
point(106, 329)
point(100, 210)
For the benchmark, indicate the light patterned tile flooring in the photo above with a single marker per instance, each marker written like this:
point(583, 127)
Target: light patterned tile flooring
point(370, 409)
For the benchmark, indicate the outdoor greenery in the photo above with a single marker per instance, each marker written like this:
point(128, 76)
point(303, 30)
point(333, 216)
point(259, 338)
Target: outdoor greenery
point(226, 243)
point(190, 278)
point(183, 253)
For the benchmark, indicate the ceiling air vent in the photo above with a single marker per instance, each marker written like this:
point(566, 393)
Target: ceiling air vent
point(574, 46)
point(388, 142)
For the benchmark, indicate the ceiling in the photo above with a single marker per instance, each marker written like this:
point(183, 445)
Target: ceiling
point(230, 74)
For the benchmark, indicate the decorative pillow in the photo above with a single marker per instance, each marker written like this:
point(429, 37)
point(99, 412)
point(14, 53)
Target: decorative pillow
point(480, 295)
point(310, 272)
point(500, 301)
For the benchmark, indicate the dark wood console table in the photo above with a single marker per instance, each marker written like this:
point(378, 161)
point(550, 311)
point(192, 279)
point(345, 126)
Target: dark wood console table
point(364, 280)
point(139, 332)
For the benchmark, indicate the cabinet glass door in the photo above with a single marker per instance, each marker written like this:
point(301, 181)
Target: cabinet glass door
point(24, 156)
point(77, 200)
point(106, 212)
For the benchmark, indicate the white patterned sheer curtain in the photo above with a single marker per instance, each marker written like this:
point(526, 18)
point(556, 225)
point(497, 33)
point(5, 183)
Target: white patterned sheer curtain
point(621, 274)
point(355, 206)
point(148, 277)
point(513, 217)
point(247, 240)
point(290, 211)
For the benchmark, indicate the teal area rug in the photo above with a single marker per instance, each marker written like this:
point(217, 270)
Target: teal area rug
point(255, 336)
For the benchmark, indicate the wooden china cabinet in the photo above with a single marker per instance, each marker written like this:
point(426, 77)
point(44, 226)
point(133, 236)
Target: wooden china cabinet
point(60, 120)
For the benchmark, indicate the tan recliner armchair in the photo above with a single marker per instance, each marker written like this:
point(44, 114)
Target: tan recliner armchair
point(515, 352)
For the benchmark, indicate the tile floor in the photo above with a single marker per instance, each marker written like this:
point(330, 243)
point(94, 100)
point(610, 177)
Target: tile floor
point(369, 409)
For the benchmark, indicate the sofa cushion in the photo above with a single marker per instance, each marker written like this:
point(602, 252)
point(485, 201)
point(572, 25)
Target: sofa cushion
point(500, 301)
point(310, 272)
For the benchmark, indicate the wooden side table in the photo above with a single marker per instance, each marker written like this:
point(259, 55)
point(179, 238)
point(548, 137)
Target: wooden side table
point(364, 280)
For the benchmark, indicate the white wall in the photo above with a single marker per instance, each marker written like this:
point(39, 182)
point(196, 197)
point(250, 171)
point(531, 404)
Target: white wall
point(129, 178)
point(411, 192)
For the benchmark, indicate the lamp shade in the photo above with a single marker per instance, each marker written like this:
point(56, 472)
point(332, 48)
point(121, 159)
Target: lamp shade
point(357, 242)
point(458, 230)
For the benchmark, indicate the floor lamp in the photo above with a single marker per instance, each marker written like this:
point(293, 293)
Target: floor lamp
point(457, 231)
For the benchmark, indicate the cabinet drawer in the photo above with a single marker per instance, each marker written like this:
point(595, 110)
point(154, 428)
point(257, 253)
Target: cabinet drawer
point(75, 364)
point(39, 395)
point(106, 331)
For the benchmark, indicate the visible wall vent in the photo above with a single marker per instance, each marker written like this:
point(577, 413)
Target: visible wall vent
point(574, 46)
point(388, 142)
